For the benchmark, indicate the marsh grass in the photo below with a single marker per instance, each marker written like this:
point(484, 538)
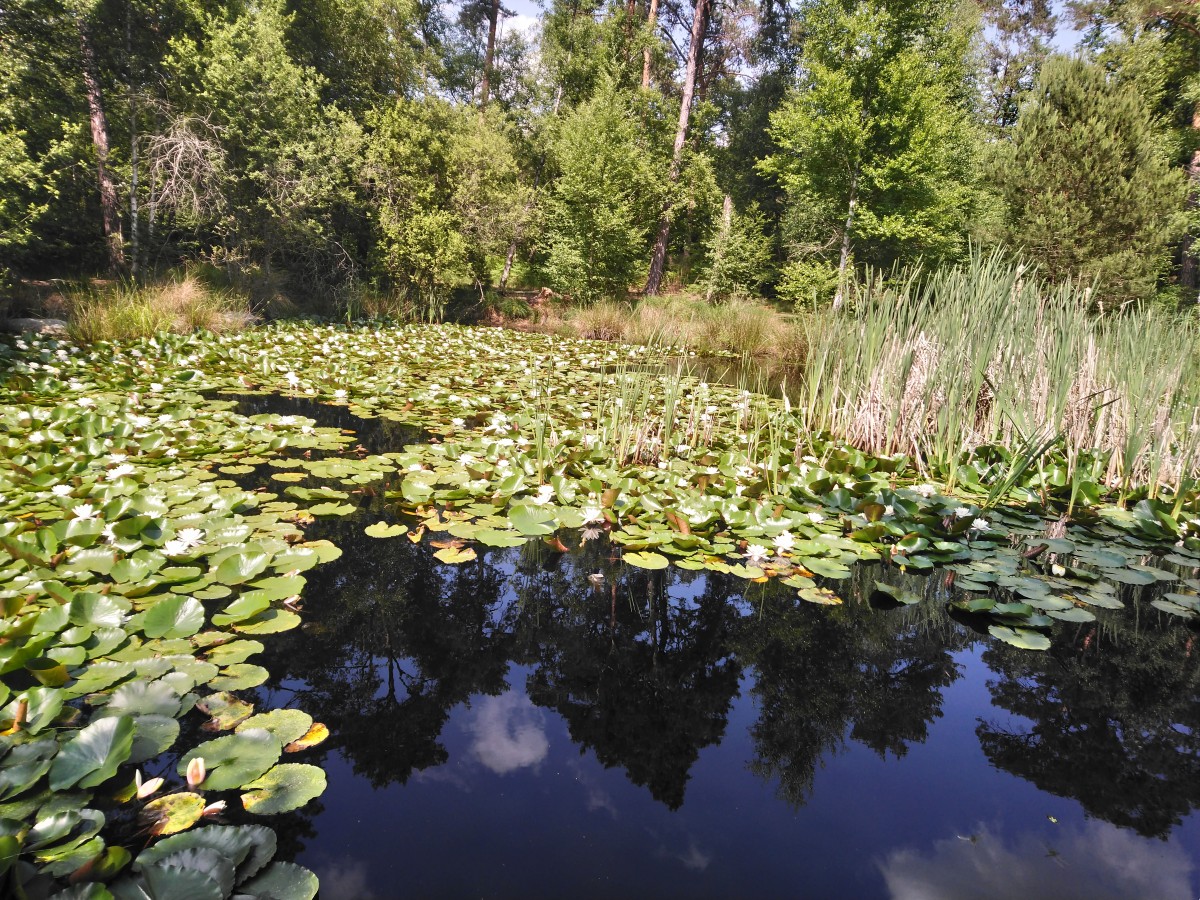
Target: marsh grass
point(684, 322)
point(939, 364)
point(126, 311)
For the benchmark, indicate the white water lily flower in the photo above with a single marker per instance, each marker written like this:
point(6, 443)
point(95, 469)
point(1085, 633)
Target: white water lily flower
point(190, 536)
point(816, 518)
point(467, 459)
point(889, 510)
point(108, 534)
point(592, 514)
point(925, 490)
point(980, 524)
point(544, 495)
point(85, 402)
point(962, 512)
point(175, 547)
point(120, 472)
point(117, 457)
point(155, 386)
point(292, 378)
point(757, 553)
point(340, 394)
point(287, 420)
point(784, 542)
point(84, 511)
point(458, 423)
point(61, 490)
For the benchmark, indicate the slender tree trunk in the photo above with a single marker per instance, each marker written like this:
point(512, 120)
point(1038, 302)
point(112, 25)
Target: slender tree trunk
point(490, 53)
point(108, 192)
point(133, 147)
point(651, 19)
point(658, 260)
point(1189, 273)
point(839, 297)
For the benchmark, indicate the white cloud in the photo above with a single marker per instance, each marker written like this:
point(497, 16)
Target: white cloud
point(345, 880)
point(509, 733)
point(1097, 862)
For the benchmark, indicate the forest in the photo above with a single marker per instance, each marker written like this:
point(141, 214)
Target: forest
point(407, 156)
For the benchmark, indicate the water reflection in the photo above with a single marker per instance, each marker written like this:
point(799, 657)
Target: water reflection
point(645, 671)
point(1098, 861)
point(1109, 716)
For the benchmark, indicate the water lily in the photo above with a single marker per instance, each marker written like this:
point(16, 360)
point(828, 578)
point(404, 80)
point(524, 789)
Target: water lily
point(84, 511)
point(544, 494)
point(147, 788)
point(816, 518)
point(962, 512)
point(757, 553)
point(340, 394)
point(784, 542)
point(120, 472)
point(61, 490)
point(190, 536)
point(980, 524)
point(196, 772)
point(592, 515)
point(925, 490)
point(213, 808)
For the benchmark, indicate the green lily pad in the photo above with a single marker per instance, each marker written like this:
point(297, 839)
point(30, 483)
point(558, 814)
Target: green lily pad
point(454, 555)
point(174, 617)
point(225, 709)
point(93, 755)
point(174, 812)
point(234, 760)
point(384, 530)
point(646, 560)
point(286, 787)
point(239, 677)
point(286, 724)
point(1020, 637)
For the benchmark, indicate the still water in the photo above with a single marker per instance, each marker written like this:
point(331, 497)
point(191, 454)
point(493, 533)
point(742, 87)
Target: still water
point(538, 724)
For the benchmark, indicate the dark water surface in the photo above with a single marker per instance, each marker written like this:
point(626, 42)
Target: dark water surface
point(510, 727)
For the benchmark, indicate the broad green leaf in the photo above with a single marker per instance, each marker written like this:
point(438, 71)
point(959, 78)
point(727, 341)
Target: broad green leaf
point(286, 787)
point(234, 760)
point(174, 617)
point(92, 756)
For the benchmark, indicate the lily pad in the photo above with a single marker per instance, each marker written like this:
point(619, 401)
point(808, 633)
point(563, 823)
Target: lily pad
point(286, 787)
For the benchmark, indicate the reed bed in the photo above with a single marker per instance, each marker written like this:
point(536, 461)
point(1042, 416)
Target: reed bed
point(938, 365)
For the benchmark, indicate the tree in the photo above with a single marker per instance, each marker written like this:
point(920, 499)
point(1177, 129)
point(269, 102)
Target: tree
point(1090, 189)
point(658, 258)
point(445, 182)
point(605, 198)
point(875, 146)
point(1014, 44)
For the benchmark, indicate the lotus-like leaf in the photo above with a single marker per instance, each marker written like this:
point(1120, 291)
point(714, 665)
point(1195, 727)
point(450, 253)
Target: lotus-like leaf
point(240, 567)
point(249, 847)
point(384, 530)
point(174, 812)
point(288, 725)
point(142, 698)
point(239, 677)
point(154, 735)
point(1024, 638)
point(93, 755)
point(269, 621)
point(234, 760)
point(283, 881)
point(174, 617)
point(532, 521)
point(647, 560)
point(287, 786)
point(226, 710)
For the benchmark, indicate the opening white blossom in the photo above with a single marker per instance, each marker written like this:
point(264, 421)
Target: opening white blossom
point(757, 553)
point(784, 542)
point(816, 518)
point(980, 524)
point(962, 512)
point(84, 511)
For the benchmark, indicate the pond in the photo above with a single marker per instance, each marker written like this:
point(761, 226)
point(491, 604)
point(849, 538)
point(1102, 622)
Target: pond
point(450, 612)
point(534, 723)
point(538, 724)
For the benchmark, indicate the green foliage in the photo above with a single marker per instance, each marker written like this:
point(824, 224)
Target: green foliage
point(808, 283)
point(1090, 190)
point(448, 197)
point(605, 200)
point(878, 124)
point(738, 256)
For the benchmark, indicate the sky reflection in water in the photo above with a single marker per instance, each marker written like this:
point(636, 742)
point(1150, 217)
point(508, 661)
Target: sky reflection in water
point(505, 728)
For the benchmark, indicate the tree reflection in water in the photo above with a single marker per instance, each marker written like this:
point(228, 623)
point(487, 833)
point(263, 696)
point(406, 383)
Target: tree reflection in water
point(643, 667)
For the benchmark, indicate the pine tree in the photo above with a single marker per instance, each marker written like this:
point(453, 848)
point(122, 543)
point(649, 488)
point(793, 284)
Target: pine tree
point(1089, 186)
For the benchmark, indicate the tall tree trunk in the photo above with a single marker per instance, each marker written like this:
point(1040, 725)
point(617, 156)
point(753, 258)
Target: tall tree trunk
point(658, 260)
point(490, 54)
point(108, 192)
point(651, 19)
point(1189, 273)
point(839, 297)
point(134, 268)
